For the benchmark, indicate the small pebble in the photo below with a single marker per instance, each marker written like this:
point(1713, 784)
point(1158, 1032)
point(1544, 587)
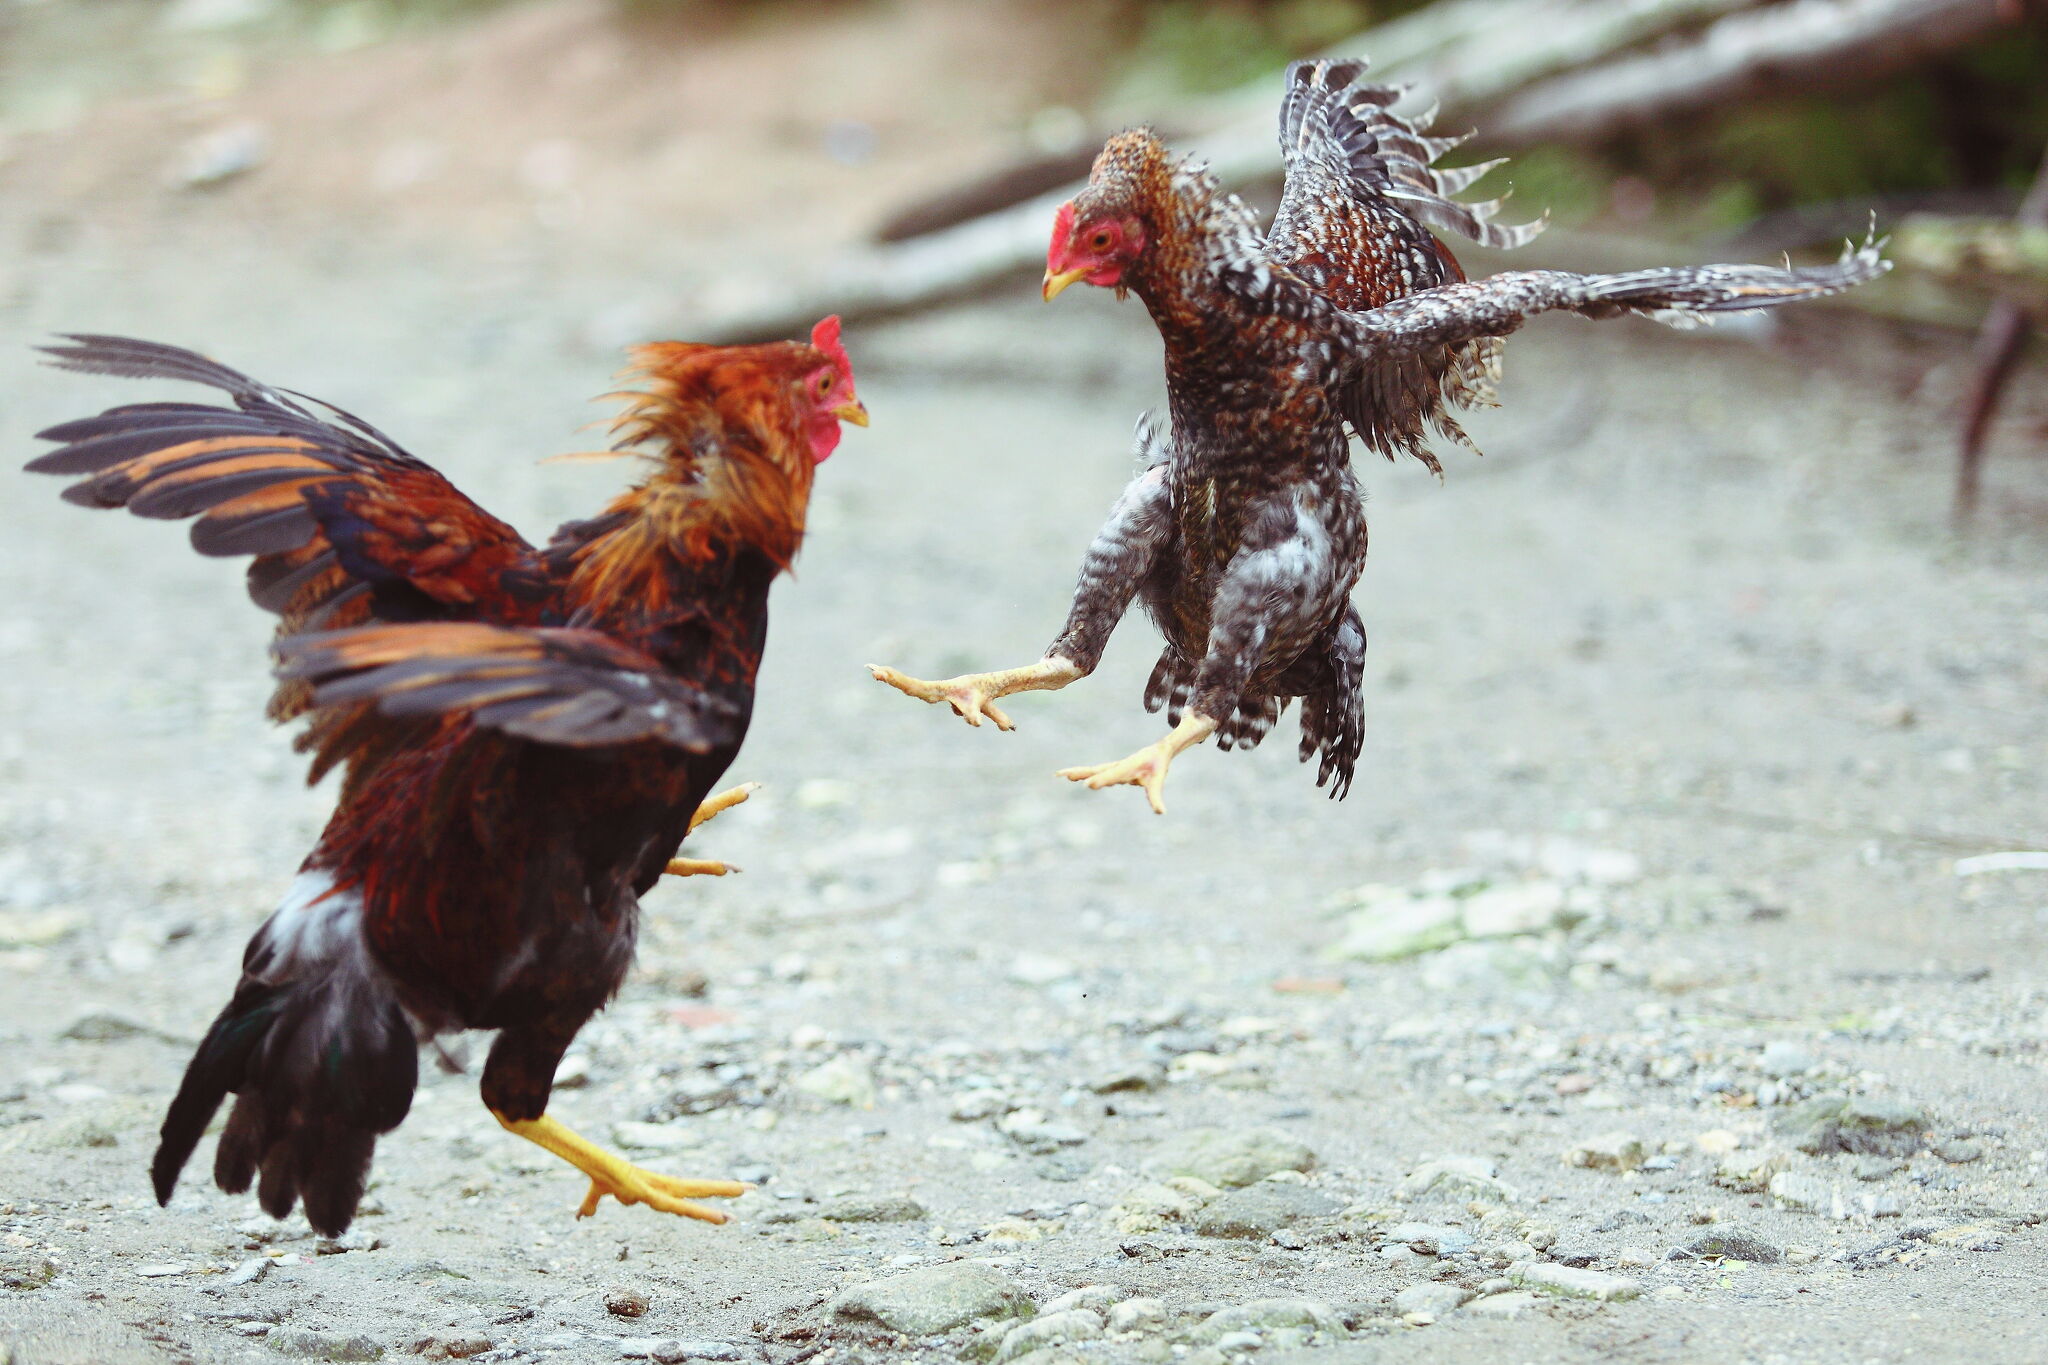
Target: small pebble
point(1801, 1193)
point(935, 1299)
point(309, 1345)
point(625, 1303)
point(1735, 1244)
point(1099, 1298)
point(1435, 1298)
point(1233, 1158)
point(1049, 1329)
point(1608, 1152)
point(1573, 1283)
point(843, 1080)
point(1430, 1239)
point(1785, 1058)
point(898, 1208)
point(249, 1271)
point(1128, 1078)
point(977, 1105)
point(1137, 1315)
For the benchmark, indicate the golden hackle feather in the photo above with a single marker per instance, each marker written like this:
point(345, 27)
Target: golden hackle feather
point(732, 463)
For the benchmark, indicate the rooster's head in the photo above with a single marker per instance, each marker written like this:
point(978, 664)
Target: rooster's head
point(1101, 232)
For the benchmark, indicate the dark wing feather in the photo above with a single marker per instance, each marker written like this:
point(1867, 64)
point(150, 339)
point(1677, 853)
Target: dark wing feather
point(1680, 296)
point(1354, 221)
point(573, 688)
point(1333, 711)
point(346, 526)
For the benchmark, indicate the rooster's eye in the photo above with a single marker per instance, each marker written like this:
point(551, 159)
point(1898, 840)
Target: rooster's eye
point(825, 384)
point(1100, 241)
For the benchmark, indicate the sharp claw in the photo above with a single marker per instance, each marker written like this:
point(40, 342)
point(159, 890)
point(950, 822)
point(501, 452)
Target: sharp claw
point(697, 1189)
point(661, 1203)
point(1142, 770)
point(698, 867)
point(973, 695)
point(613, 1175)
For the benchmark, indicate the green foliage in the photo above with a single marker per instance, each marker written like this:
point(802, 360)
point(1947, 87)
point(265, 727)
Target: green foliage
point(1975, 119)
point(1814, 148)
point(1571, 184)
point(1205, 45)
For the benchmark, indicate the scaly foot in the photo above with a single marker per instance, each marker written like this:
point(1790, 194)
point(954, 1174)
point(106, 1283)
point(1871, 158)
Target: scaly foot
point(711, 867)
point(973, 695)
point(724, 801)
point(698, 867)
point(613, 1175)
point(1146, 769)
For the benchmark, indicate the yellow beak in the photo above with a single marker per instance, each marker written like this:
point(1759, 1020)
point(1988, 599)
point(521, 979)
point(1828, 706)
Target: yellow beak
point(1055, 283)
point(852, 412)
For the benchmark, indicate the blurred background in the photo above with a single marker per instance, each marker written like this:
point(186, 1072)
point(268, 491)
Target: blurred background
point(1727, 648)
point(762, 163)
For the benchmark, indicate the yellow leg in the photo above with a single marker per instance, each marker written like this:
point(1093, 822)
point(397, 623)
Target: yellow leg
point(1146, 768)
point(711, 867)
point(615, 1176)
point(698, 867)
point(973, 695)
point(724, 801)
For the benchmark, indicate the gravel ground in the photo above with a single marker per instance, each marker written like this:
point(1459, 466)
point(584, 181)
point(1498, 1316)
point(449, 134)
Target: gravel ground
point(1631, 1008)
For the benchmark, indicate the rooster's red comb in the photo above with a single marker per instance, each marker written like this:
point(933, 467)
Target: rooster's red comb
point(825, 336)
point(1062, 229)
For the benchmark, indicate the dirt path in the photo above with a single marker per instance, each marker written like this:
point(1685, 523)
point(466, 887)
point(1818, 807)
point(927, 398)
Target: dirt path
point(1692, 622)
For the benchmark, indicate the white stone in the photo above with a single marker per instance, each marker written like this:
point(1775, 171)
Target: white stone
point(1571, 1283)
point(1394, 929)
point(845, 1079)
point(655, 1137)
point(1608, 1152)
point(1499, 911)
point(1803, 1193)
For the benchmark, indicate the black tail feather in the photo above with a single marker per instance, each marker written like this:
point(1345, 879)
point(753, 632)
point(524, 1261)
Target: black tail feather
point(333, 1174)
point(216, 1068)
point(320, 1067)
point(240, 1148)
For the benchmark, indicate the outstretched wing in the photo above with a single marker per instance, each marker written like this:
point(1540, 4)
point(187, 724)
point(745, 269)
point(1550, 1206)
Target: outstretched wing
point(573, 688)
point(1360, 198)
point(345, 525)
point(1681, 296)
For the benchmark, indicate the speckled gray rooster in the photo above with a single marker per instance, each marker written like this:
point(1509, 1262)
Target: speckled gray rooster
point(1244, 532)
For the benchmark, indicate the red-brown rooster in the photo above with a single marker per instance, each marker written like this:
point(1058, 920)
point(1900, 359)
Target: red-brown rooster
point(1245, 533)
point(527, 733)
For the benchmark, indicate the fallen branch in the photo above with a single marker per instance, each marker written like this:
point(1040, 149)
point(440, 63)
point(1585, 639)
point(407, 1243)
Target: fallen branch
point(2019, 861)
point(1804, 46)
point(1470, 54)
point(2003, 334)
